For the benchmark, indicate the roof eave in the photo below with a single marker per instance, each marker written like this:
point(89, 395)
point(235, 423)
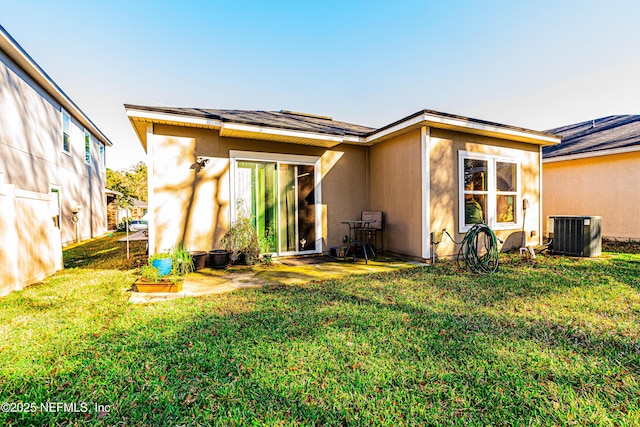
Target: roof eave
point(18, 55)
point(139, 119)
point(237, 130)
point(461, 124)
point(590, 154)
point(139, 115)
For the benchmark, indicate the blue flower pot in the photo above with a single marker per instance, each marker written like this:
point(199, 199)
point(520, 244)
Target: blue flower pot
point(163, 265)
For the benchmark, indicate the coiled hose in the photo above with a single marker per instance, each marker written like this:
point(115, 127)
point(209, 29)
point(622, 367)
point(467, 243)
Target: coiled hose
point(479, 249)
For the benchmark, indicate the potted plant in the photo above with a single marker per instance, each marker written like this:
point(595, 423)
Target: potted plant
point(182, 261)
point(241, 238)
point(154, 276)
point(219, 258)
point(266, 249)
point(199, 259)
point(163, 262)
point(151, 281)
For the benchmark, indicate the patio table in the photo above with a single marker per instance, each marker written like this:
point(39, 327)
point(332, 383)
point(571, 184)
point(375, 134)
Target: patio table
point(359, 236)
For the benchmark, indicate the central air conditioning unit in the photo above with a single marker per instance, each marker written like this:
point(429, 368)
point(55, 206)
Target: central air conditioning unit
point(576, 235)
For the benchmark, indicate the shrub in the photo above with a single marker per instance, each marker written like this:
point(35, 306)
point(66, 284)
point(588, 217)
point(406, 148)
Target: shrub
point(241, 236)
point(182, 261)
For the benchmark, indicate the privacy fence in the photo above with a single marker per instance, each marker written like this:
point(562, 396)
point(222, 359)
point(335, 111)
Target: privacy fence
point(30, 248)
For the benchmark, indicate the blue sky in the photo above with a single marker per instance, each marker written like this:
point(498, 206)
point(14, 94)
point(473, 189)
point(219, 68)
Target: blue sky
point(531, 64)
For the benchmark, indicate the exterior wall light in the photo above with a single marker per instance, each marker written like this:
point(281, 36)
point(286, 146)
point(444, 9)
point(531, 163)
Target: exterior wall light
point(74, 216)
point(202, 162)
point(199, 164)
point(76, 208)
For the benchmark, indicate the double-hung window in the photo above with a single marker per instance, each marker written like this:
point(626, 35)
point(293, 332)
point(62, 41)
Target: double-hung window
point(102, 157)
point(87, 147)
point(66, 133)
point(489, 190)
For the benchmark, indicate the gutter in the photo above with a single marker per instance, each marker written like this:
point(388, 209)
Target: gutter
point(452, 122)
point(427, 118)
point(228, 128)
point(590, 154)
point(172, 118)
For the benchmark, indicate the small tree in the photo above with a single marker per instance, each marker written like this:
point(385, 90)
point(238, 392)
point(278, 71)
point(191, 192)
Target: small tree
point(132, 182)
point(123, 202)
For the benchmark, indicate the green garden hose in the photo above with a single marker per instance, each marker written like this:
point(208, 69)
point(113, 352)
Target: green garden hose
point(479, 249)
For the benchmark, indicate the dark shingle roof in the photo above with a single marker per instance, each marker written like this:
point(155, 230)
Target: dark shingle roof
point(277, 119)
point(607, 133)
point(290, 120)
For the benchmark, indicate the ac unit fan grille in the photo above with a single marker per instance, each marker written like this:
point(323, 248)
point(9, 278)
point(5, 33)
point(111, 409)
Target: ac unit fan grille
point(577, 235)
point(568, 235)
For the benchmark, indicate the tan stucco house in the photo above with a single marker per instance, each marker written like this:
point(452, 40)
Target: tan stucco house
point(302, 175)
point(595, 172)
point(52, 163)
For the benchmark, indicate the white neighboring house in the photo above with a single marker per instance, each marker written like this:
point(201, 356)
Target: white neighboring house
point(52, 171)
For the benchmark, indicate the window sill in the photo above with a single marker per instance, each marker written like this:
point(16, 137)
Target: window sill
point(503, 227)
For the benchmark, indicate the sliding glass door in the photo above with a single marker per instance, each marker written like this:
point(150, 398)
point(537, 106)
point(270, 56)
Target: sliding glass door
point(281, 198)
point(256, 187)
point(297, 208)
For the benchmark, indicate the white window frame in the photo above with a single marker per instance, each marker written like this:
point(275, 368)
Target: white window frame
point(491, 191)
point(88, 139)
point(235, 156)
point(101, 153)
point(64, 114)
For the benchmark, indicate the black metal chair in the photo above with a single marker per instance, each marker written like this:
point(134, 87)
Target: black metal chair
point(362, 240)
point(374, 229)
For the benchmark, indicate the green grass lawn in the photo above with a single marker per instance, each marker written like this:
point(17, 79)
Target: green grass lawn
point(550, 342)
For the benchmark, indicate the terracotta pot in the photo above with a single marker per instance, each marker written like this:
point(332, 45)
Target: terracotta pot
point(161, 286)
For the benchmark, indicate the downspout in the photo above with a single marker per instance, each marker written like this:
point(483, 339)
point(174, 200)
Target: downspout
point(540, 219)
point(425, 158)
point(151, 235)
point(89, 172)
point(367, 177)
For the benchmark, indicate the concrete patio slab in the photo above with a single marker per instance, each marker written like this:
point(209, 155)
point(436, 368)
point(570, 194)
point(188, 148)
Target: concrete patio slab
point(210, 281)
